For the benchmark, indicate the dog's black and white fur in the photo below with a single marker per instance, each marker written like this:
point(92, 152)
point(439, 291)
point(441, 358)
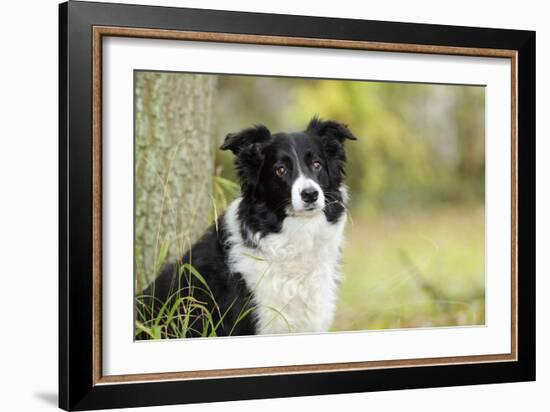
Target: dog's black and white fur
point(277, 248)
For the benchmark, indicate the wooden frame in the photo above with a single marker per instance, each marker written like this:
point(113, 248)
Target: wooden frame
point(82, 27)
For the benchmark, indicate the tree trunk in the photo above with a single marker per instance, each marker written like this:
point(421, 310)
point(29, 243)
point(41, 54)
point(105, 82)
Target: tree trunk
point(174, 165)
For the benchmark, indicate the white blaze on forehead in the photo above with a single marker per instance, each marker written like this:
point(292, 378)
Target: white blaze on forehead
point(297, 161)
point(302, 183)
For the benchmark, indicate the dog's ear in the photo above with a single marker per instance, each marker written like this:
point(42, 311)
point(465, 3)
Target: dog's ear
point(237, 142)
point(246, 145)
point(332, 135)
point(330, 129)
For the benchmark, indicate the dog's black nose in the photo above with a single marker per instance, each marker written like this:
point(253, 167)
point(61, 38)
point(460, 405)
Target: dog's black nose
point(309, 195)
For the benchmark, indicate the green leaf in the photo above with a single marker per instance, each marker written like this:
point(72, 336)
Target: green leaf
point(215, 328)
point(255, 257)
point(241, 317)
point(196, 274)
point(156, 332)
point(279, 313)
point(162, 254)
point(226, 184)
point(142, 328)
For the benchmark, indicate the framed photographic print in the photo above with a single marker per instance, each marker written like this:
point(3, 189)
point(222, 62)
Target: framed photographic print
point(257, 205)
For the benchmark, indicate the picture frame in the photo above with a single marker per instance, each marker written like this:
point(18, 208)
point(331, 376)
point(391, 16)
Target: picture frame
point(84, 26)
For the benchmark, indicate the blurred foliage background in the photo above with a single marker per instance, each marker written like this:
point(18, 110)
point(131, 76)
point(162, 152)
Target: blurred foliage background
point(415, 250)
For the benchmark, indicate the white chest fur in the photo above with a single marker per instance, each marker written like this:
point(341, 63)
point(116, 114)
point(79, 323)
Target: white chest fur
point(293, 274)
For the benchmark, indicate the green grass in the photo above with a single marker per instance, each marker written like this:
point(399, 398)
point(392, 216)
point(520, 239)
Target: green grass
point(191, 308)
point(418, 268)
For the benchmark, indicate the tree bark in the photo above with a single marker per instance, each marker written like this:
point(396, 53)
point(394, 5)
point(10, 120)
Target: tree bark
point(174, 165)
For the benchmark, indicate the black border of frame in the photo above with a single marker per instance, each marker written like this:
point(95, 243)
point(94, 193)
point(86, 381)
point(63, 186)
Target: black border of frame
point(76, 389)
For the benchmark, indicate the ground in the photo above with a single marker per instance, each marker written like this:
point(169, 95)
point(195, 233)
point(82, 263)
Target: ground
point(418, 268)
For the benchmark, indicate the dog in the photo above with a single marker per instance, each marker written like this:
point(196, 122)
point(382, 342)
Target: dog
point(274, 255)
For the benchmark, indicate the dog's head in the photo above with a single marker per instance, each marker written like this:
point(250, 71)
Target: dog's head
point(291, 173)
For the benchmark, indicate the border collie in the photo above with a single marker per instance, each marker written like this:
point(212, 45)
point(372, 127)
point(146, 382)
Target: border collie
point(275, 252)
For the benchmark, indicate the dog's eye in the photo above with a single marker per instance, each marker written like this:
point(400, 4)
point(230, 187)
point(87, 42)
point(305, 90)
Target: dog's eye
point(281, 171)
point(316, 166)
